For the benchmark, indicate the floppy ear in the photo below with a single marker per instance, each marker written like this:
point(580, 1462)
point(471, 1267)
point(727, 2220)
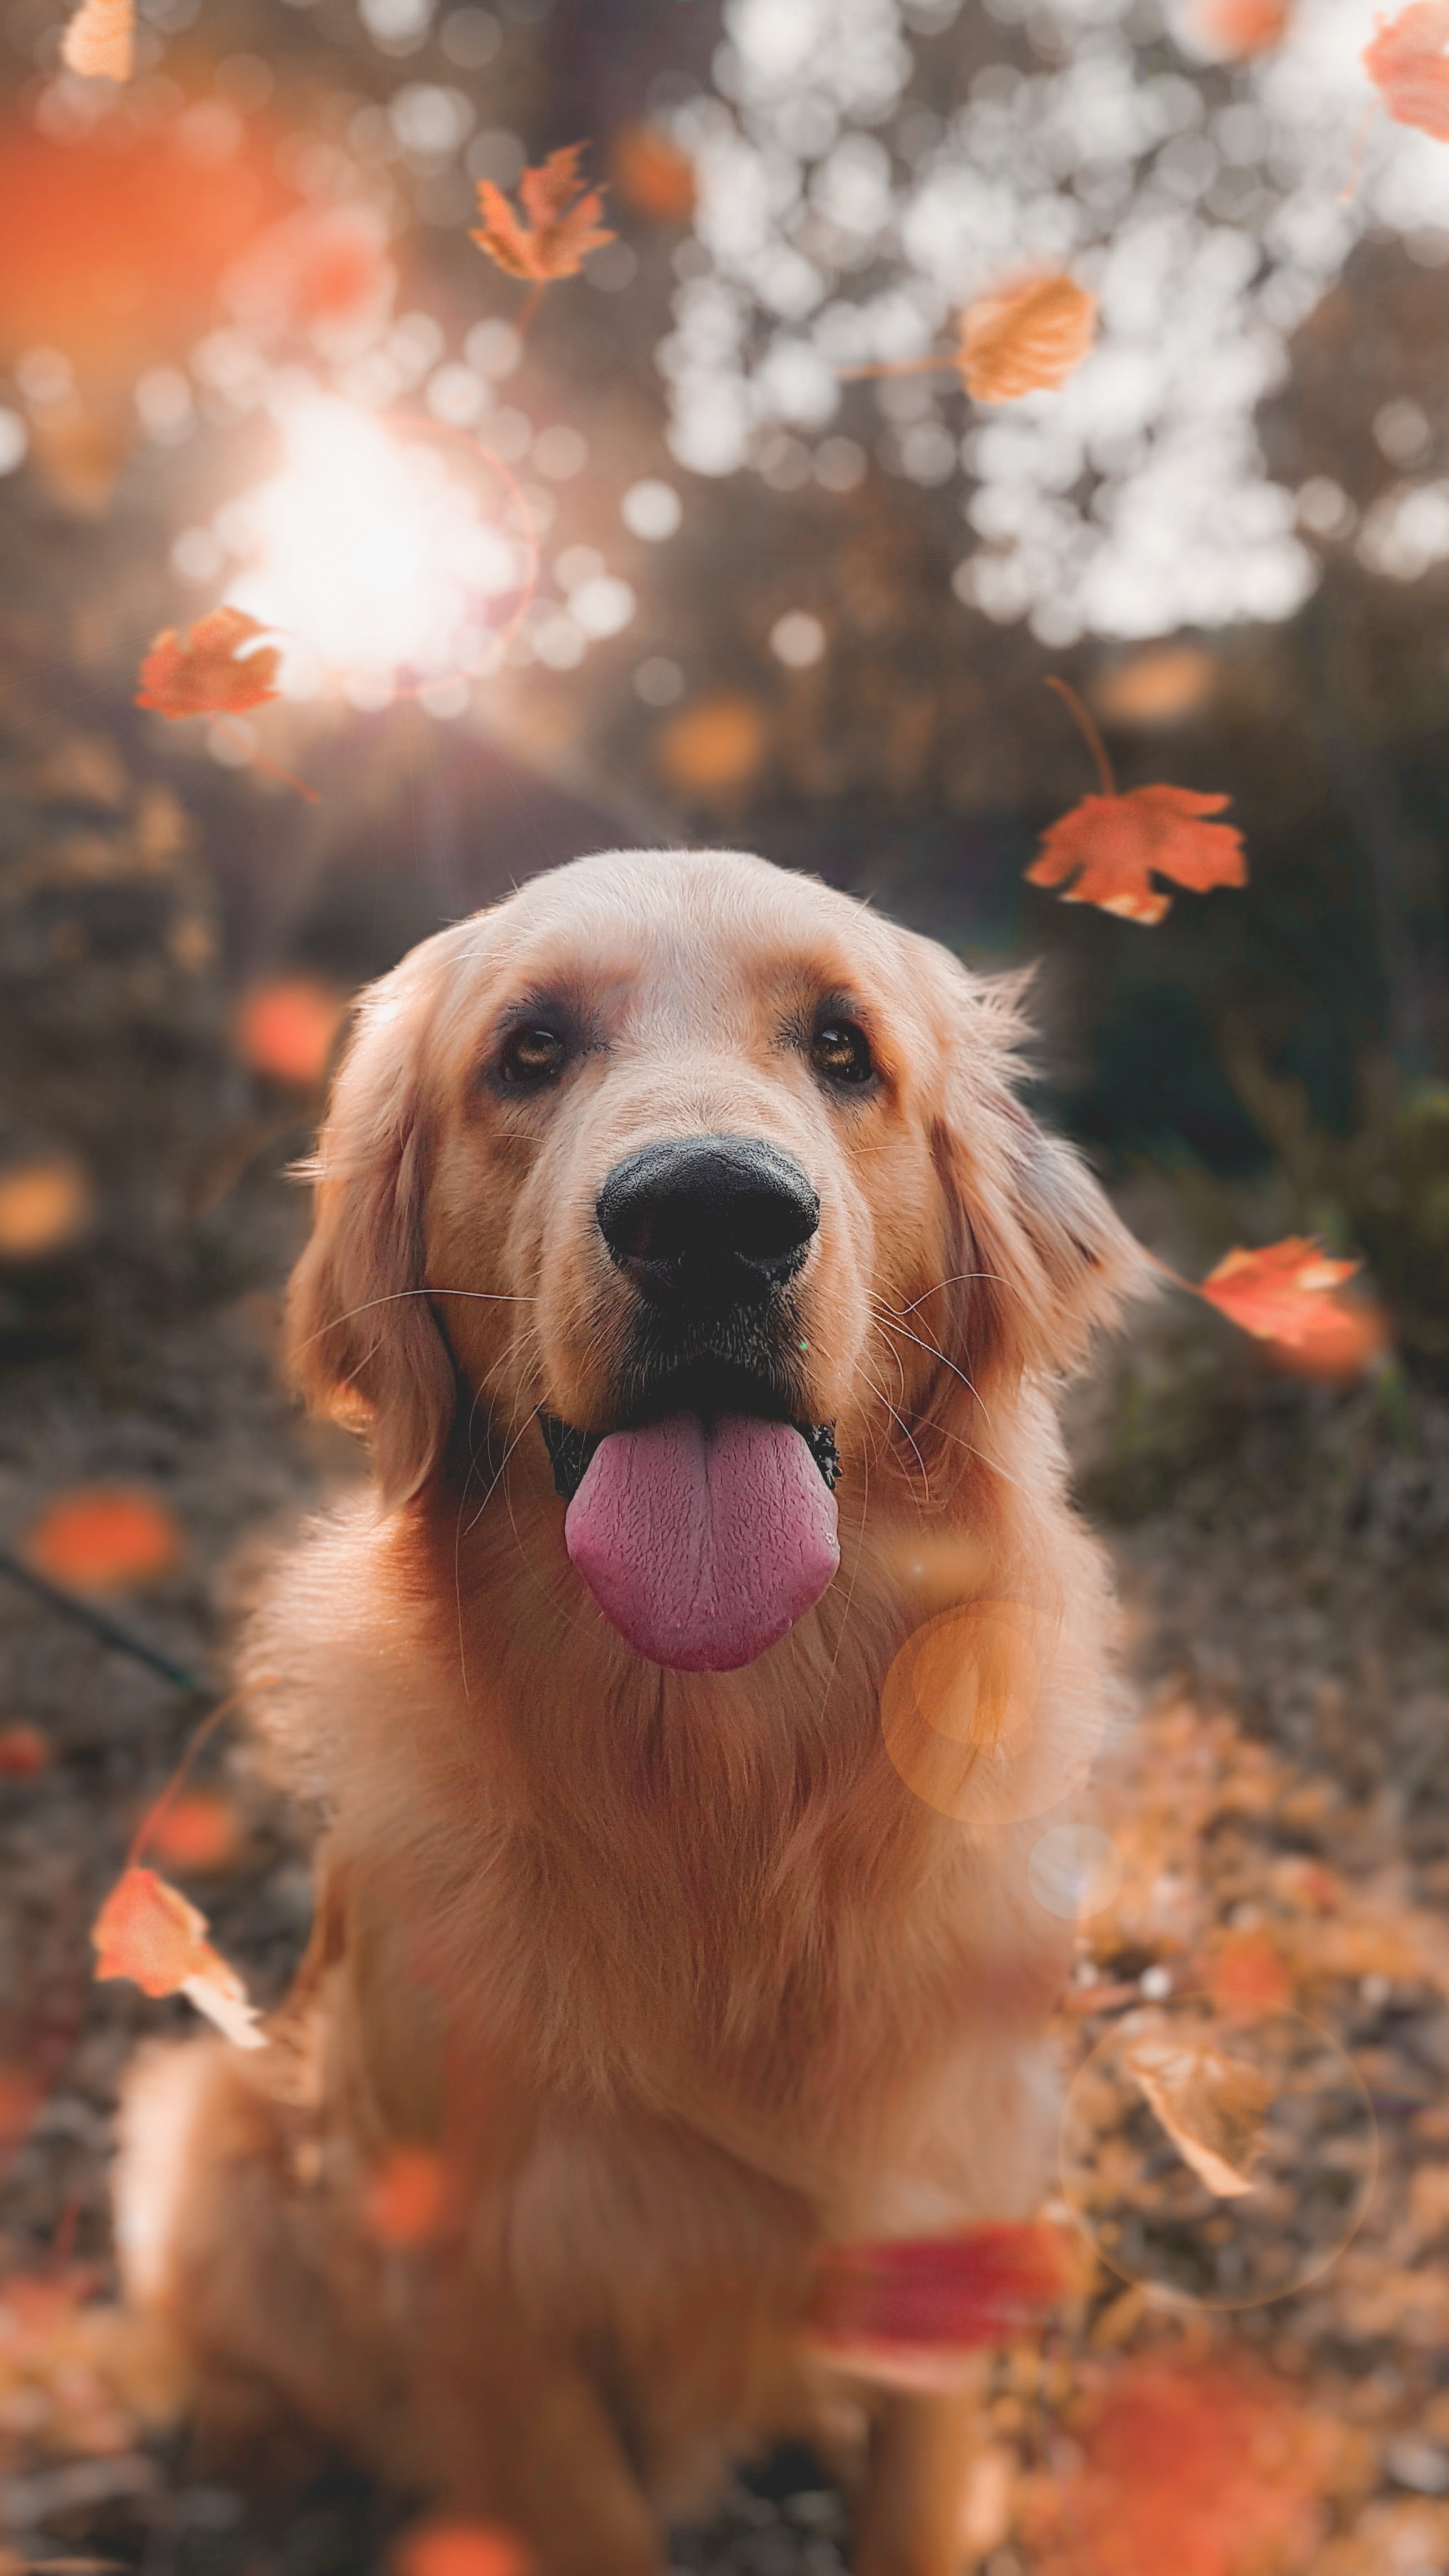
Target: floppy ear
point(1041, 1256)
point(362, 1339)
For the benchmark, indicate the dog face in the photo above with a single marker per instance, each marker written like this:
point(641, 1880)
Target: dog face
point(673, 1139)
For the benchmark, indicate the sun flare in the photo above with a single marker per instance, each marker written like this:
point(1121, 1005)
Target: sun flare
point(377, 563)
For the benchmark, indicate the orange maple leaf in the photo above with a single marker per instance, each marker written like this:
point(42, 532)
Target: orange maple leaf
point(558, 227)
point(148, 1932)
point(1407, 63)
point(1284, 1294)
point(204, 676)
point(1025, 339)
point(1114, 845)
point(100, 40)
point(882, 2300)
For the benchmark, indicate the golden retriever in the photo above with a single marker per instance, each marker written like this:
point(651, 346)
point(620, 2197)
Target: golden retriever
point(682, 1707)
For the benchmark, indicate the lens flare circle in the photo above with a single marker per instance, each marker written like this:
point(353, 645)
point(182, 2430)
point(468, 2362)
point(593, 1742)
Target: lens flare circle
point(974, 1724)
point(1074, 1871)
point(1221, 2160)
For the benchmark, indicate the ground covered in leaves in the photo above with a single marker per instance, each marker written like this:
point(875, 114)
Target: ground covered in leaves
point(1276, 1816)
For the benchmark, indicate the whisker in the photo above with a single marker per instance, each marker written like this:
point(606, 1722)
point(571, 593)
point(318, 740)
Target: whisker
point(957, 1276)
point(484, 1296)
point(893, 1324)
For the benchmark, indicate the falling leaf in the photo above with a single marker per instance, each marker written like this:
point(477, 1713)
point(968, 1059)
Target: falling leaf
point(1407, 63)
point(204, 676)
point(1208, 2470)
point(1285, 1294)
point(288, 1029)
point(23, 1752)
point(1231, 30)
point(653, 174)
point(461, 2549)
point(44, 1205)
point(1114, 845)
point(407, 2198)
point(1211, 2106)
point(198, 1830)
point(100, 40)
point(104, 1538)
point(1025, 340)
point(713, 747)
point(558, 227)
point(884, 2299)
point(148, 1932)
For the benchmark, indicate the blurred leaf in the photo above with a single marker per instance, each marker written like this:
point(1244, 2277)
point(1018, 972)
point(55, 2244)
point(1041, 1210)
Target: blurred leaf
point(461, 2549)
point(1284, 1294)
point(104, 1538)
point(1407, 64)
point(148, 1932)
point(100, 40)
point(44, 1205)
point(287, 1030)
point(1211, 2106)
point(203, 676)
point(199, 1830)
point(1025, 340)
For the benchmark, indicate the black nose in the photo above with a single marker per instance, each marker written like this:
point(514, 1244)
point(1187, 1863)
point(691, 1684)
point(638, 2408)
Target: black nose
point(708, 1220)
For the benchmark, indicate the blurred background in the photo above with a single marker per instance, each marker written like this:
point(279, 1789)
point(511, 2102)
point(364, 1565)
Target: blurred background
point(646, 558)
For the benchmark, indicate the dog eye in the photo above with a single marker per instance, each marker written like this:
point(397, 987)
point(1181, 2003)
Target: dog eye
point(841, 1052)
point(532, 1055)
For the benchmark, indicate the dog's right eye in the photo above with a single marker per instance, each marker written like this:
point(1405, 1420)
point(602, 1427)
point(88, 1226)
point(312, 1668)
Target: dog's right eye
point(532, 1056)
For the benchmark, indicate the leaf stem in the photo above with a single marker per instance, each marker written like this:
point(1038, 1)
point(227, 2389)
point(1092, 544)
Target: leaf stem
point(158, 1808)
point(1086, 725)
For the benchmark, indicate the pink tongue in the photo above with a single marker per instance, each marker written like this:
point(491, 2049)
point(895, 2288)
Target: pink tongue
point(703, 1545)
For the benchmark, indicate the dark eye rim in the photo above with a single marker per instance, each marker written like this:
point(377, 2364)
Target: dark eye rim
point(862, 1073)
point(510, 1075)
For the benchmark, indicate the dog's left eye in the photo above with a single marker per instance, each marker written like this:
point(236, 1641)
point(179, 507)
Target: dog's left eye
point(532, 1055)
point(841, 1052)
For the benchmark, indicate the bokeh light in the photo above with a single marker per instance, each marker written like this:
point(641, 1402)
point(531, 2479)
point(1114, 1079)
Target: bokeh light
point(370, 555)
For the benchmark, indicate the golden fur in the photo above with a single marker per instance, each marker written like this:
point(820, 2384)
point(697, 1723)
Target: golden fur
point(672, 1969)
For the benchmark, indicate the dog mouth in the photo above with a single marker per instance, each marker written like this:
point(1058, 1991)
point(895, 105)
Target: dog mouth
point(705, 1525)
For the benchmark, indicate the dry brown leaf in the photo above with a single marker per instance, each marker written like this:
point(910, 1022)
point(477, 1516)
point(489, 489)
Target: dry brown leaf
point(209, 674)
point(1026, 339)
point(557, 229)
point(1211, 2106)
point(148, 1932)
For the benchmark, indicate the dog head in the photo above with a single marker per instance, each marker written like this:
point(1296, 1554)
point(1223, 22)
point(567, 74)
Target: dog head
point(701, 1179)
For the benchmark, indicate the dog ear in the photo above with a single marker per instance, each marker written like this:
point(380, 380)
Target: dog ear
point(1040, 1256)
point(363, 1343)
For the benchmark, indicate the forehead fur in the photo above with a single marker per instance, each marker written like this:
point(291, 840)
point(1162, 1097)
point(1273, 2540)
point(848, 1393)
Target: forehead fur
point(685, 913)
